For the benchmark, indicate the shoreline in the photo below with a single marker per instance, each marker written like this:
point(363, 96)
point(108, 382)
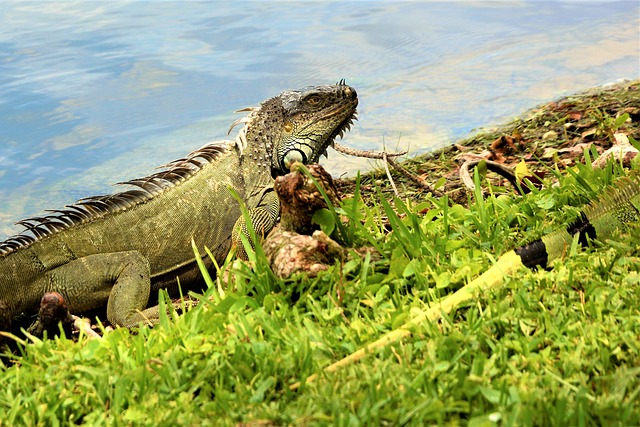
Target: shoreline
point(550, 134)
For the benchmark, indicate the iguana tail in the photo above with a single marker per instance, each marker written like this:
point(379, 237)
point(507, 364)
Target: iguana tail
point(617, 208)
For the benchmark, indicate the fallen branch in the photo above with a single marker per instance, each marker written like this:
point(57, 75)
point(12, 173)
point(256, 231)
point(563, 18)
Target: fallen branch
point(84, 325)
point(366, 153)
point(499, 168)
point(415, 178)
point(388, 158)
point(385, 161)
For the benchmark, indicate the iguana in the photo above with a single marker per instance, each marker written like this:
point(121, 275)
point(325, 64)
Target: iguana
point(616, 209)
point(115, 250)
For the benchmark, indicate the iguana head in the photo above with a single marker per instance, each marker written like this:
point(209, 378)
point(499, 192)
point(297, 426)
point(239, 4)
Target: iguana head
point(299, 125)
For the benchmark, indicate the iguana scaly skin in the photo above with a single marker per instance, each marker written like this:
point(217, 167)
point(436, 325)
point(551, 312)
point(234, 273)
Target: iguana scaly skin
point(115, 250)
point(616, 209)
point(619, 207)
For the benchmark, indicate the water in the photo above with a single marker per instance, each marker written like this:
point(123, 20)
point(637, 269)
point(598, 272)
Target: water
point(94, 93)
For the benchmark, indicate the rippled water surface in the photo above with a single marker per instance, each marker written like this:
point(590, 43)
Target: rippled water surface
point(93, 93)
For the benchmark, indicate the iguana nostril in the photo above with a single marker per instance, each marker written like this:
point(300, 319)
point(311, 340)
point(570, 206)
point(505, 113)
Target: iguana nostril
point(350, 92)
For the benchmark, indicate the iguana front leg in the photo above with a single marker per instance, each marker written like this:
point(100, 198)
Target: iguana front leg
point(122, 279)
point(263, 218)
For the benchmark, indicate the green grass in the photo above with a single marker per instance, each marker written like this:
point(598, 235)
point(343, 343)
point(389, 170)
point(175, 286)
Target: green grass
point(559, 347)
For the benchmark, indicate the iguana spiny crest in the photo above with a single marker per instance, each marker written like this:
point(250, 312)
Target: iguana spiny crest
point(297, 125)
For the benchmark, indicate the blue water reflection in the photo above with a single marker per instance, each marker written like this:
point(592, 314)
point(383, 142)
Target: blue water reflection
point(95, 93)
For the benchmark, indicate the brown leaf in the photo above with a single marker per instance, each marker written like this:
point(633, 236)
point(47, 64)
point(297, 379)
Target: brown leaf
point(575, 150)
point(575, 115)
point(503, 145)
point(462, 148)
point(589, 133)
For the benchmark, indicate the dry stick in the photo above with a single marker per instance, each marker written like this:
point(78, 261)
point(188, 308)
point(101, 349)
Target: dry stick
point(415, 178)
point(387, 157)
point(365, 153)
point(500, 169)
point(84, 325)
point(505, 265)
point(386, 168)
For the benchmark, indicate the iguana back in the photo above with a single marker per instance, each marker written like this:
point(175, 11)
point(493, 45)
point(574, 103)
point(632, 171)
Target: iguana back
point(159, 226)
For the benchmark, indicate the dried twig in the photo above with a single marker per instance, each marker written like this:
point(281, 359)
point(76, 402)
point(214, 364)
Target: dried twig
point(388, 158)
point(84, 325)
point(415, 178)
point(499, 168)
point(366, 153)
point(385, 161)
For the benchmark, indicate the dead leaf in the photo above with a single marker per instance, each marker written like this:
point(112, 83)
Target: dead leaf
point(575, 150)
point(549, 152)
point(503, 145)
point(462, 148)
point(550, 136)
point(575, 115)
point(588, 133)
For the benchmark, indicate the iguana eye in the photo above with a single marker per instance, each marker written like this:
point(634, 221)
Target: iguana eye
point(313, 100)
point(293, 156)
